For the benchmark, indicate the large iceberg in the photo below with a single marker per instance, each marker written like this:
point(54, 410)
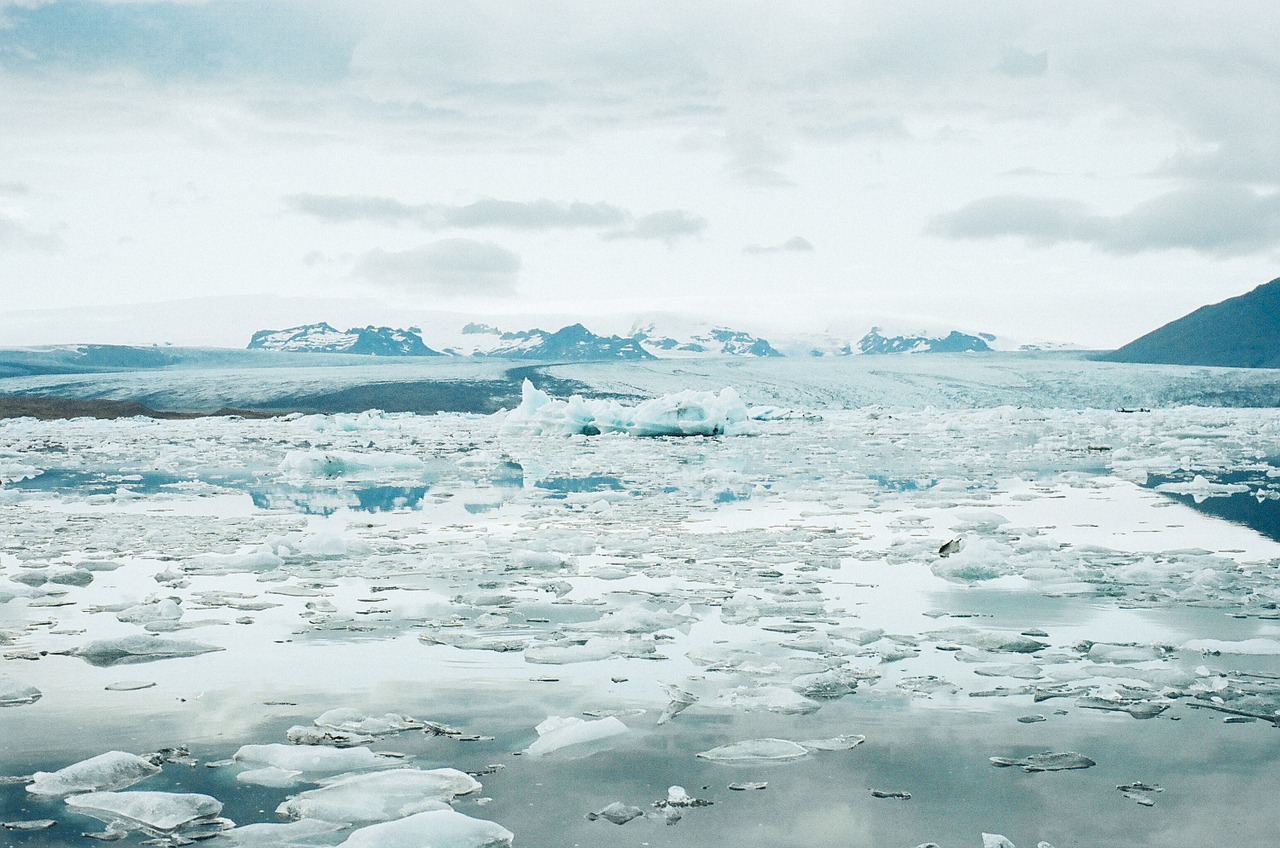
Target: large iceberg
point(688, 413)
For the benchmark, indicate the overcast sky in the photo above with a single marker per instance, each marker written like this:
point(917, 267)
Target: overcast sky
point(1076, 172)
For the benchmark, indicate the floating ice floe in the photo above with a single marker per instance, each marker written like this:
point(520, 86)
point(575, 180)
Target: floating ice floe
point(112, 770)
point(1246, 647)
point(350, 720)
point(138, 649)
point(379, 796)
point(158, 811)
point(688, 413)
point(556, 732)
point(433, 829)
point(338, 463)
point(303, 833)
point(755, 751)
point(15, 693)
point(617, 812)
point(1201, 489)
point(309, 760)
point(1047, 761)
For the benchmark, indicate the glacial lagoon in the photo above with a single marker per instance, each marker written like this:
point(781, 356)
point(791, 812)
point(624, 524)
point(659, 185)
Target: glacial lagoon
point(423, 592)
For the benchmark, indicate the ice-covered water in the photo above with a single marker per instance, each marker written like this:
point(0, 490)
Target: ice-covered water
point(302, 608)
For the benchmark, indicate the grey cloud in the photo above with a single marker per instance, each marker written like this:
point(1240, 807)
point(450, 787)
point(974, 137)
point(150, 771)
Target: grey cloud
point(15, 234)
point(448, 266)
point(1215, 220)
point(666, 226)
point(796, 244)
point(534, 215)
point(14, 188)
point(539, 214)
point(348, 208)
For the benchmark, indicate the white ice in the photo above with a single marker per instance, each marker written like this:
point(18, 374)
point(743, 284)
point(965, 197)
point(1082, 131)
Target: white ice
point(433, 829)
point(556, 732)
point(112, 770)
point(380, 796)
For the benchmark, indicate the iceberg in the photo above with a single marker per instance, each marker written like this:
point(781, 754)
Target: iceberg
point(161, 811)
point(556, 732)
point(433, 829)
point(112, 770)
point(688, 413)
point(380, 796)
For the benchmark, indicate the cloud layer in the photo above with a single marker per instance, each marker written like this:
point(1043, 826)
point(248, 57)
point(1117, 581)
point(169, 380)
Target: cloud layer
point(456, 266)
point(1219, 221)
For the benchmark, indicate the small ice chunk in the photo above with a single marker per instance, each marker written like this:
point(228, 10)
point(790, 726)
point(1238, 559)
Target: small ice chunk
point(112, 770)
point(995, 840)
point(756, 750)
point(380, 796)
point(138, 649)
point(15, 693)
point(749, 785)
point(617, 812)
point(432, 829)
point(338, 463)
point(163, 811)
point(680, 701)
point(556, 732)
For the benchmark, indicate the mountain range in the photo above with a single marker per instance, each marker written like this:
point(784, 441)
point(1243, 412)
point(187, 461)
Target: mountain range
point(575, 343)
point(1240, 332)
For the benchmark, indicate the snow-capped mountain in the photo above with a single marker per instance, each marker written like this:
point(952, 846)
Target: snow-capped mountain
point(714, 340)
point(322, 338)
point(574, 343)
point(875, 342)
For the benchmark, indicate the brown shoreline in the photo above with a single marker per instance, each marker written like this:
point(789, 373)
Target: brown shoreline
point(53, 408)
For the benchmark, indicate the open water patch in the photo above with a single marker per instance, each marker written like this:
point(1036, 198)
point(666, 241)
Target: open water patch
point(1250, 497)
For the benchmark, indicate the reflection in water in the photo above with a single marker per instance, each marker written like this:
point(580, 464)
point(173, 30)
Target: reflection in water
point(311, 501)
point(1255, 504)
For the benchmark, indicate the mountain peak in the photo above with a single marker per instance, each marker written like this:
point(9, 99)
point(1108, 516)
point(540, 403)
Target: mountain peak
point(1239, 332)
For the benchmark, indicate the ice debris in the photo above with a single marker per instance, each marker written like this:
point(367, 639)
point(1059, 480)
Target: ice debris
point(688, 413)
point(1141, 793)
point(349, 720)
point(336, 463)
point(112, 770)
point(379, 796)
point(432, 829)
point(556, 732)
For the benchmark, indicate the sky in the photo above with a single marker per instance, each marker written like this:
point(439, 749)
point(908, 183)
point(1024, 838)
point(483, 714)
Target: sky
point(186, 172)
